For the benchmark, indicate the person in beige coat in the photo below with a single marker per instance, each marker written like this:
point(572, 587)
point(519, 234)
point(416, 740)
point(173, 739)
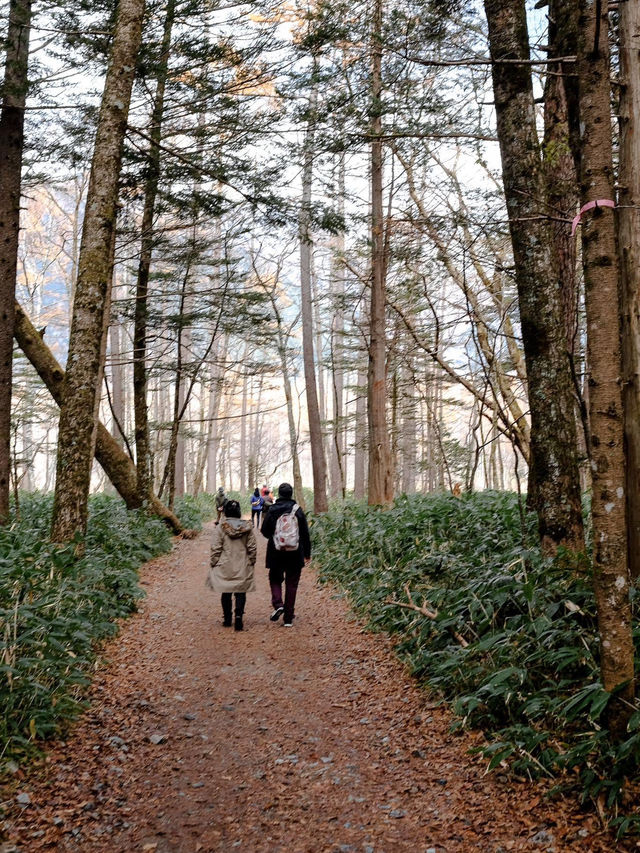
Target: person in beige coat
point(233, 558)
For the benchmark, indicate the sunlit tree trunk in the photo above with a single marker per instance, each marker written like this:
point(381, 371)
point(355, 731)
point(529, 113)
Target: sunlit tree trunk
point(554, 476)
point(600, 263)
point(318, 463)
point(380, 478)
point(78, 413)
point(14, 92)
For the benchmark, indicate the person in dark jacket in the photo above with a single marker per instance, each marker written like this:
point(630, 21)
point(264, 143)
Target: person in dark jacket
point(285, 565)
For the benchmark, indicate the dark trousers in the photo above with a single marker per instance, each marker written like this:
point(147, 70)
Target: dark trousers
point(255, 513)
point(291, 579)
point(225, 600)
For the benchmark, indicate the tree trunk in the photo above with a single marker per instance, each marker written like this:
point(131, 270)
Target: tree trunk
point(554, 476)
point(380, 485)
point(306, 244)
point(116, 464)
point(141, 308)
point(600, 262)
point(117, 384)
point(14, 92)
point(629, 250)
point(360, 438)
point(336, 466)
point(78, 413)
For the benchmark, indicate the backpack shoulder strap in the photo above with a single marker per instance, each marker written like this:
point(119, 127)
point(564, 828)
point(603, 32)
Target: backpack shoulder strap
point(295, 509)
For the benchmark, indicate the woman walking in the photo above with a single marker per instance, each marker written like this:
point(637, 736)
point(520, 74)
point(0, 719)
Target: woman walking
point(233, 558)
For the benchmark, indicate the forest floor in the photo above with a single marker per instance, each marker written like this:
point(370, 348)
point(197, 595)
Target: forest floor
point(314, 738)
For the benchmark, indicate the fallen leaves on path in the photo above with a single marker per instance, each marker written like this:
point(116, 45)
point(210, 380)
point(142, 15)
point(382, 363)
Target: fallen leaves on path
point(200, 738)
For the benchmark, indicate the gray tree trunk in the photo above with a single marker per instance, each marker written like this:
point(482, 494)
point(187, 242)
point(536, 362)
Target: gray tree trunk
point(14, 93)
point(554, 475)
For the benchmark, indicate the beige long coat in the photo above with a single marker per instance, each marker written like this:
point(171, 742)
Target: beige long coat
point(233, 556)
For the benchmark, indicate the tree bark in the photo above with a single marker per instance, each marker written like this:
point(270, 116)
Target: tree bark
point(360, 437)
point(152, 180)
point(79, 410)
point(116, 464)
point(554, 476)
point(600, 263)
point(629, 251)
point(318, 463)
point(336, 466)
point(380, 480)
point(14, 94)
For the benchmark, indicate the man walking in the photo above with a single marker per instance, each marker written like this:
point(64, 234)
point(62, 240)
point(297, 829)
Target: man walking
point(288, 549)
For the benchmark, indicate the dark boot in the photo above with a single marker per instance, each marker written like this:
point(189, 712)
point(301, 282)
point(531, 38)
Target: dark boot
point(225, 600)
point(238, 624)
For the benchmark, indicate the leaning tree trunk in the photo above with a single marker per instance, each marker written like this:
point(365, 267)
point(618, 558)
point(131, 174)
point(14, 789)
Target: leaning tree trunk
point(380, 479)
point(318, 463)
point(79, 410)
point(554, 474)
point(629, 252)
point(600, 263)
point(116, 464)
point(14, 92)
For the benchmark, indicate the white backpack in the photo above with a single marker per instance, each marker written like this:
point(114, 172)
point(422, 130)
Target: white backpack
point(286, 536)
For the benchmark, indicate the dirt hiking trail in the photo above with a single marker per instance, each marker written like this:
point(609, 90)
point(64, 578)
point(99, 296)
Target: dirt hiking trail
point(303, 739)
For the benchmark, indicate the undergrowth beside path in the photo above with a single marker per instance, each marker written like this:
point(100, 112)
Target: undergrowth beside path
point(507, 636)
point(55, 609)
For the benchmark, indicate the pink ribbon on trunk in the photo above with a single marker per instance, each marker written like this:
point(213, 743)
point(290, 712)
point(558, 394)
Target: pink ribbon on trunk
point(599, 202)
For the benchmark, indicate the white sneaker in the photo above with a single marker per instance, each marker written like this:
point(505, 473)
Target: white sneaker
point(288, 624)
point(277, 613)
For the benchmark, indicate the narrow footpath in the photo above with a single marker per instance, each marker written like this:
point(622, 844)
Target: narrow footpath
point(301, 740)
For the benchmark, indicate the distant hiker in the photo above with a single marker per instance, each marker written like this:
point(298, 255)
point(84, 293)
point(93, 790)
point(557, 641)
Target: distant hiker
point(267, 498)
point(288, 549)
point(221, 499)
point(257, 502)
point(233, 557)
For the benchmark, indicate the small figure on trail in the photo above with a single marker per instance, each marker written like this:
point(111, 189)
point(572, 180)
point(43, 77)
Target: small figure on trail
point(257, 502)
point(221, 499)
point(288, 549)
point(267, 499)
point(233, 558)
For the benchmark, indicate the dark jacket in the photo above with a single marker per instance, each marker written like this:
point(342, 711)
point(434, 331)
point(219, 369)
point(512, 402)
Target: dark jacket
point(285, 559)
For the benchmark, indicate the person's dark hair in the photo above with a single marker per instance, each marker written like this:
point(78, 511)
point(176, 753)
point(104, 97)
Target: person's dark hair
point(285, 490)
point(256, 494)
point(232, 509)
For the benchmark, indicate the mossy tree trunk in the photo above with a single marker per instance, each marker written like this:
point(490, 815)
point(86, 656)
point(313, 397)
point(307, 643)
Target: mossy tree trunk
point(553, 468)
point(14, 92)
point(79, 410)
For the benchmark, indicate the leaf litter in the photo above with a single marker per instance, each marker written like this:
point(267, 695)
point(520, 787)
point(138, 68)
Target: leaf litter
point(198, 738)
